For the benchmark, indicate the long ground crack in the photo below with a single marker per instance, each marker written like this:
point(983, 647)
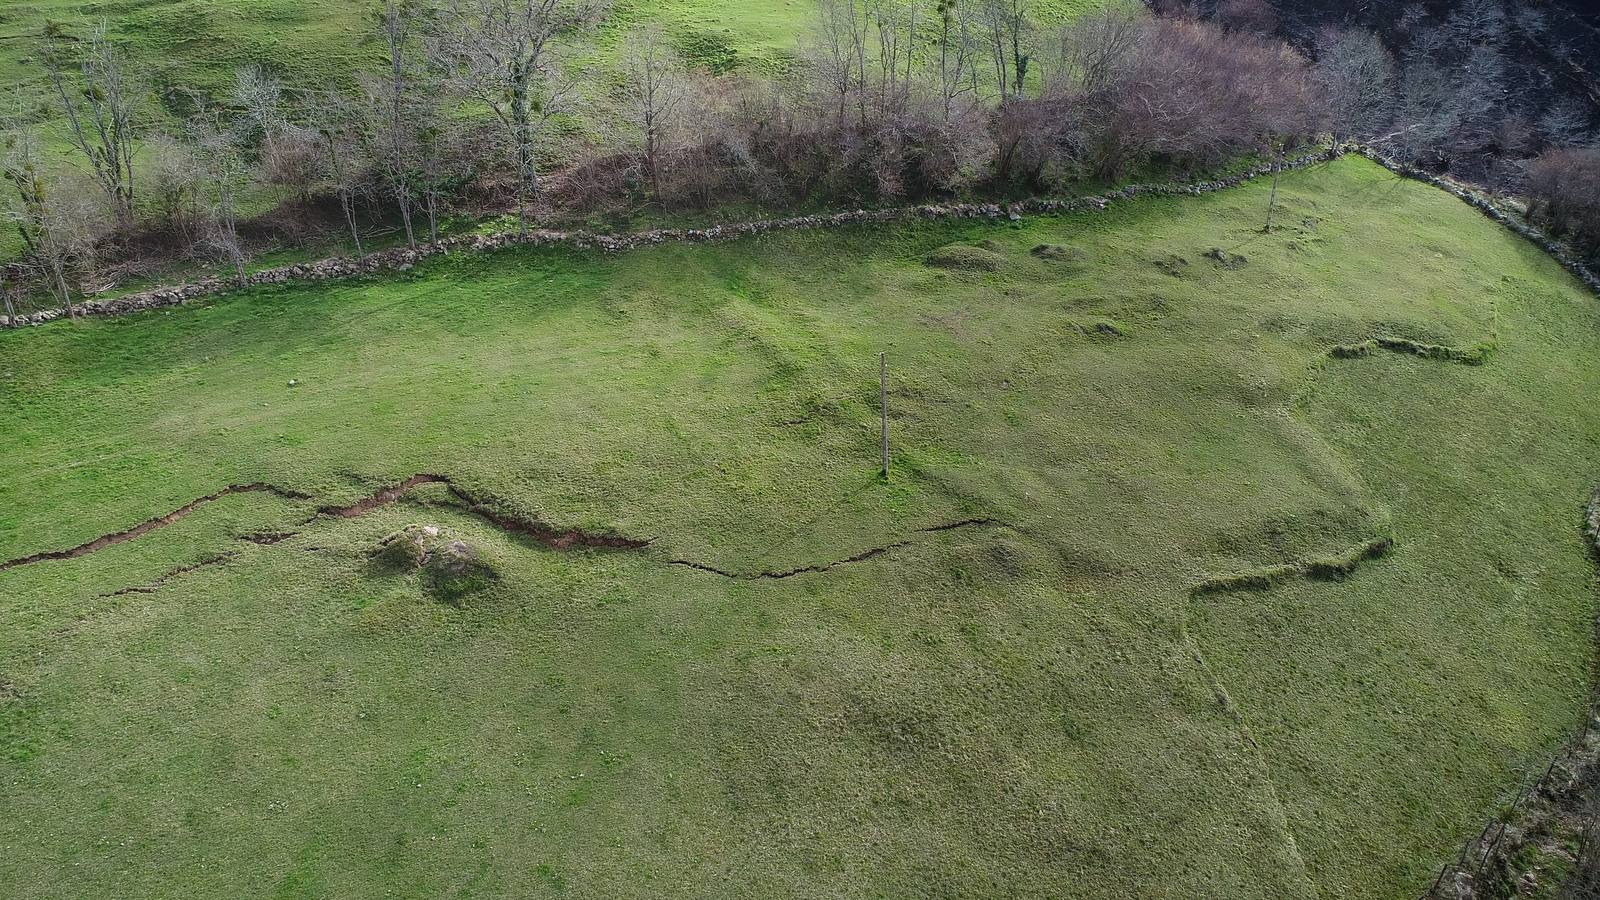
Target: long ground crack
point(144, 528)
point(551, 536)
point(556, 538)
point(863, 556)
point(179, 572)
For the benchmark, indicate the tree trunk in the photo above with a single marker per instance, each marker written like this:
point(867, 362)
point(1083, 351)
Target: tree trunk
point(1272, 198)
point(350, 218)
point(59, 276)
point(401, 196)
point(522, 135)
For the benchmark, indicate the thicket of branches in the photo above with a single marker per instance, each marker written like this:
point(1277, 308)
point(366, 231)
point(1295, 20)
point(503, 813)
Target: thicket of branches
point(474, 106)
point(1502, 93)
point(1564, 186)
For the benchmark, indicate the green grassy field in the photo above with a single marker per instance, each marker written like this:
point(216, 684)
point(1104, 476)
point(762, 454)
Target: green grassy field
point(1039, 706)
point(310, 43)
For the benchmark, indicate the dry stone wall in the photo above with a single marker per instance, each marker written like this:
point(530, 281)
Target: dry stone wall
point(1568, 260)
point(402, 259)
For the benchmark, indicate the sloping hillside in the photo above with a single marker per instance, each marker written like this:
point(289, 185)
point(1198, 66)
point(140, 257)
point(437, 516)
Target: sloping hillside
point(1125, 620)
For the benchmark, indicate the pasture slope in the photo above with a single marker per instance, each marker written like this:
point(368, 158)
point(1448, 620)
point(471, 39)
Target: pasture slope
point(717, 656)
point(308, 43)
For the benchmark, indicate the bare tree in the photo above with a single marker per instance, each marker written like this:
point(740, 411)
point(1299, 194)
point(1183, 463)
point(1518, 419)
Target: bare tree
point(285, 148)
point(1477, 22)
point(502, 54)
point(655, 90)
point(263, 114)
point(1481, 92)
point(895, 24)
point(293, 160)
point(438, 156)
point(1357, 75)
point(1430, 103)
point(8, 287)
point(839, 54)
point(1256, 16)
point(958, 51)
point(1096, 52)
point(339, 134)
point(61, 223)
point(1007, 30)
point(19, 166)
point(1453, 98)
point(1566, 124)
point(99, 106)
point(219, 148)
point(1564, 186)
point(864, 55)
point(1197, 95)
point(396, 107)
point(176, 184)
point(410, 139)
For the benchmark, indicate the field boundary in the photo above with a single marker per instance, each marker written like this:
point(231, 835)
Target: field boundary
point(403, 259)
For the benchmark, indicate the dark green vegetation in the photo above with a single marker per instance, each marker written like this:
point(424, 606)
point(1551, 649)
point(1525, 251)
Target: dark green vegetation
point(1039, 702)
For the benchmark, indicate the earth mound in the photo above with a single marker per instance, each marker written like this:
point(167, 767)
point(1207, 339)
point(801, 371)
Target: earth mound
point(450, 568)
point(965, 258)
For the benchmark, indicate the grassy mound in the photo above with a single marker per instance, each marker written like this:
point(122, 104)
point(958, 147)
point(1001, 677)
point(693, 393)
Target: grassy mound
point(449, 568)
point(1041, 708)
point(960, 257)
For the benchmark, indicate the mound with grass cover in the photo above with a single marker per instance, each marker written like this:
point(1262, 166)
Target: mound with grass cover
point(1200, 603)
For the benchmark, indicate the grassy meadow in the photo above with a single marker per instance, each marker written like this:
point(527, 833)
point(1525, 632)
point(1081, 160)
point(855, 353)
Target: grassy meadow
point(310, 43)
point(1032, 704)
